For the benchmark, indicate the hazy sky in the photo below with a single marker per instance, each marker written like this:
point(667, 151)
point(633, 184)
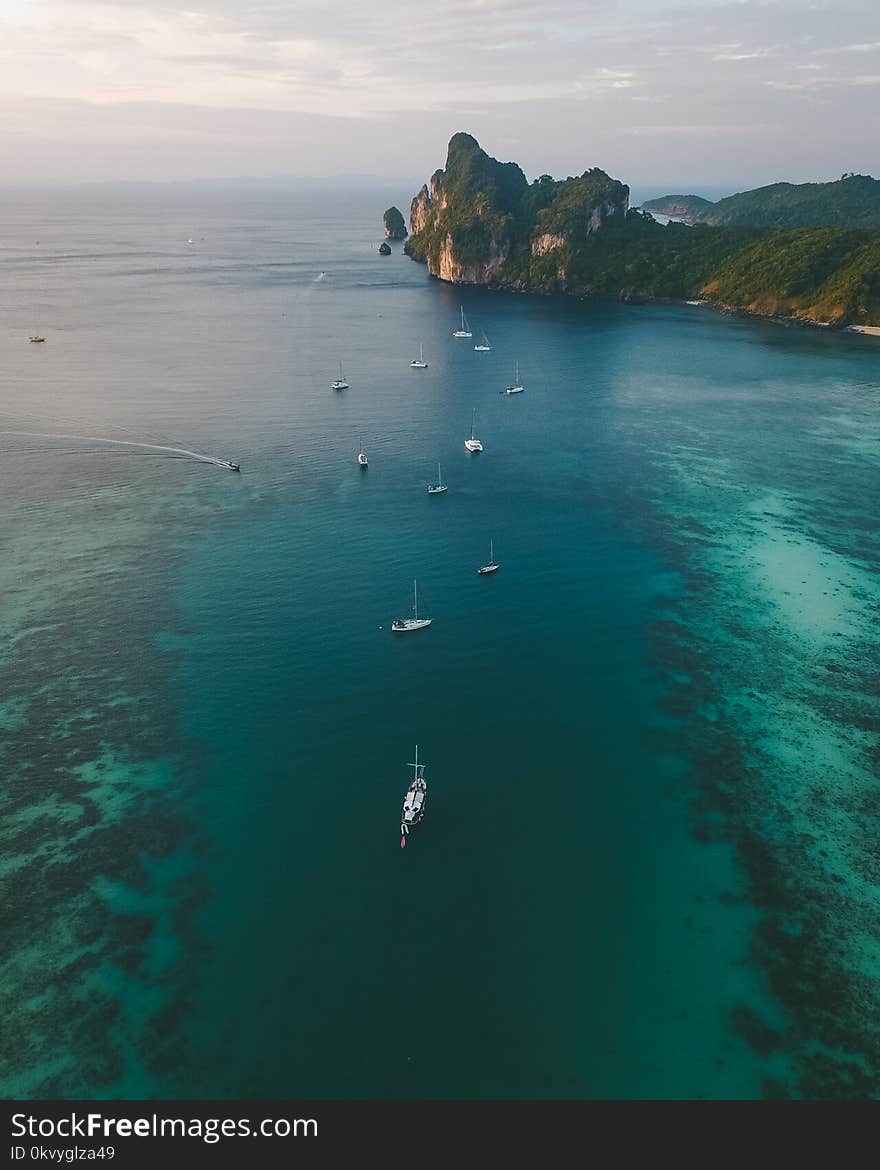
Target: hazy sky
point(668, 92)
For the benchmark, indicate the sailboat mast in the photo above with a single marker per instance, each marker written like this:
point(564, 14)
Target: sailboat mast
point(415, 600)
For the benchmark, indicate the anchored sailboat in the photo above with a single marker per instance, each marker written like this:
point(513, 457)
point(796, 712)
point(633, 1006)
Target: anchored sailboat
point(419, 363)
point(362, 455)
point(407, 625)
point(414, 801)
point(464, 331)
point(484, 346)
point(434, 489)
point(493, 566)
point(517, 387)
point(340, 383)
point(473, 443)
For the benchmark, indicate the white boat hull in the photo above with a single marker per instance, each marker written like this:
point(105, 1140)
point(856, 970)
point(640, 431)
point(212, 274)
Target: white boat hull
point(485, 570)
point(514, 389)
point(407, 625)
point(418, 365)
point(435, 491)
point(339, 385)
point(473, 444)
point(462, 333)
point(482, 348)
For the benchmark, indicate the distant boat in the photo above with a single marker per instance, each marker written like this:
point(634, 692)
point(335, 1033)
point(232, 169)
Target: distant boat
point(362, 455)
point(484, 346)
point(464, 331)
point(340, 383)
point(517, 387)
point(434, 489)
point(407, 625)
point(493, 566)
point(36, 339)
point(473, 443)
point(419, 363)
point(414, 801)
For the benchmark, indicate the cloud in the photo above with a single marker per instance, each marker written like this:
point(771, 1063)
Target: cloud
point(697, 129)
point(383, 65)
point(867, 47)
point(752, 55)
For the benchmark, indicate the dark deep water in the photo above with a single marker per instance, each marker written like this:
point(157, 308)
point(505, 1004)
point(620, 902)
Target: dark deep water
point(649, 865)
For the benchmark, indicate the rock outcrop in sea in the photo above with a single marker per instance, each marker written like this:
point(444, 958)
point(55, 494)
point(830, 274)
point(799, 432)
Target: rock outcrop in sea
point(395, 224)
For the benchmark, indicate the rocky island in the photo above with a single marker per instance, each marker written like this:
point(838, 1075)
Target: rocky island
point(686, 208)
point(480, 221)
point(395, 224)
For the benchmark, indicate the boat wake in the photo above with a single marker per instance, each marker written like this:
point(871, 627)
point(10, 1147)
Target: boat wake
point(176, 452)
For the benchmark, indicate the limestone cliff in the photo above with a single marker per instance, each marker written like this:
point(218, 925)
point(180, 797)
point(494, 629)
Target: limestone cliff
point(479, 220)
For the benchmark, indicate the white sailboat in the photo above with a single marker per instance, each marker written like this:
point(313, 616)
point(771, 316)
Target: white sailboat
point(517, 387)
point(493, 566)
point(362, 455)
point(484, 346)
point(407, 625)
point(414, 801)
point(340, 382)
point(473, 443)
point(464, 331)
point(419, 363)
point(434, 489)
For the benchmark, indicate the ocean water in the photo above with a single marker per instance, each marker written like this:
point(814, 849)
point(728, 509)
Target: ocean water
point(649, 864)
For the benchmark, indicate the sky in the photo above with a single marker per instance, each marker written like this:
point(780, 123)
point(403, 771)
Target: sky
point(668, 93)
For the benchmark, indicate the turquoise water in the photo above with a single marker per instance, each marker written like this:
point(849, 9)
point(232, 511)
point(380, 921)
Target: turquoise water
point(648, 865)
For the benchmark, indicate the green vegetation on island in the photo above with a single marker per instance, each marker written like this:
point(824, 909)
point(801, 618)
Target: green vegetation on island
point(481, 222)
point(852, 201)
point(394, 223)
point(819, 275)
